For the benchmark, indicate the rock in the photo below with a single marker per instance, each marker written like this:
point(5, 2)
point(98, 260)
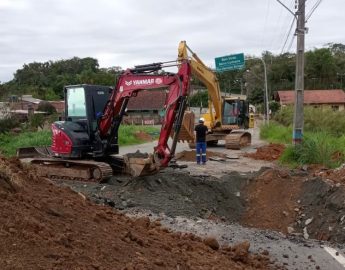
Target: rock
point(290, 230)
point(285, 213)
point(330, 228)
point(238, 194)
point(212, 243)
point(124, 204)
point(308, 221)
point(304, 168)
point(296, 209)
point(285, 256)
point(305, 233)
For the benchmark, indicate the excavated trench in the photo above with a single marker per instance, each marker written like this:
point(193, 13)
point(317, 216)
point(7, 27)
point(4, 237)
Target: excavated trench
point(289, 201)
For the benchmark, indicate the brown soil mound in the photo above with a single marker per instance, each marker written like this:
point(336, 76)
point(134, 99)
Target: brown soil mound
point(50, 227)
point(268, 152)
point(272, 199)
point(143, 136)
point(336, 175)
point(191, 155)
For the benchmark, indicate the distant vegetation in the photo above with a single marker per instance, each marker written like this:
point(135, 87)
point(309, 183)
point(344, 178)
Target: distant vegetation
point(325, 69)
point(46, 80)
point(9, 143)
point(324, 137)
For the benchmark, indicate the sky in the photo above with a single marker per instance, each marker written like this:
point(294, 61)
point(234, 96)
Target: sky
point(132, 32)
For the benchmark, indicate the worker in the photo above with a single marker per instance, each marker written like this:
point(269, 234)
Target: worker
point(200, 132)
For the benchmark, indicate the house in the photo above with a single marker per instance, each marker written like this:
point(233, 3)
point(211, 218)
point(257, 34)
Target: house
point(334, 99)
point(27, 102)
point(147, 108)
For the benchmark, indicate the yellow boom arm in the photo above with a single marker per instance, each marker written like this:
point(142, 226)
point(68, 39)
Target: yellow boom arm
point(208, 77)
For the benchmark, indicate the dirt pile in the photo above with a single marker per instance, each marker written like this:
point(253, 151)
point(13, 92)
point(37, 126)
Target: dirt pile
point(322, 211)
point(174, 193)
point(297, 202)
point(191, 155)
point(50, 227)
point(336, 175)
point(272, 200)
point(143, 136)
point(269, 152)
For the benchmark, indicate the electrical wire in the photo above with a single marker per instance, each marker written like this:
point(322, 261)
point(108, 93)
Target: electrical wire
point(313, 9)
point(288, 35)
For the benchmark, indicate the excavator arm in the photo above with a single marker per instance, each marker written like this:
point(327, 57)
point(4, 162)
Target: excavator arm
point(135, 80)
point(208, 78)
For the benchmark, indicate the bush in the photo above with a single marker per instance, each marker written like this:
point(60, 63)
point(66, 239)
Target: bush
point(7, 123)
point(315, 120)
point(316, 148)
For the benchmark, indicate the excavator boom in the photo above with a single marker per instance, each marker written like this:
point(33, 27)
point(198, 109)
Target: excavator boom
point(224, 115)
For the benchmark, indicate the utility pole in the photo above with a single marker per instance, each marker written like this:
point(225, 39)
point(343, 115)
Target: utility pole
point(298, 120)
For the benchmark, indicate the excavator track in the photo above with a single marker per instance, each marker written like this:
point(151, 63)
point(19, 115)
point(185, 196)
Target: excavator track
point(238, 139)
point(79, 170)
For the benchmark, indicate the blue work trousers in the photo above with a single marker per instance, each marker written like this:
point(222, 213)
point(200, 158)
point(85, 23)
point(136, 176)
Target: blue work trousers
point(201, 152)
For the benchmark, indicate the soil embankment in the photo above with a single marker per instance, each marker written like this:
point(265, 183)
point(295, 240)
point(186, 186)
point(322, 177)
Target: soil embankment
point(50, 227)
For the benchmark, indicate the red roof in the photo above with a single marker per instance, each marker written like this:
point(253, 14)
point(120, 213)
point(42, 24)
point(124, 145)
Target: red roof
point(313, 96)
point(147, 100)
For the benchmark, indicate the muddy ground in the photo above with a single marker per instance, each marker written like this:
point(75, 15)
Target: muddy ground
point(227, 197)
point(44, 226)
point(288, 201)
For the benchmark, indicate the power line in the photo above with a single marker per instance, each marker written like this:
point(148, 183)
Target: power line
point(313, 9)
point(288, 35)
point(291, 43)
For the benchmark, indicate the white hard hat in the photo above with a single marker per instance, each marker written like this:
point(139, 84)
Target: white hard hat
point(202, 120)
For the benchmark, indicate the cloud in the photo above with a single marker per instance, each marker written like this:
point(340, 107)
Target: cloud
point(129, 32)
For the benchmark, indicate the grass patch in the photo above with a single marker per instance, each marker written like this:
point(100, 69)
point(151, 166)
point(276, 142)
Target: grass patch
point(275, 133)
point(9, 142)
point(127, 134)
point(318, 147)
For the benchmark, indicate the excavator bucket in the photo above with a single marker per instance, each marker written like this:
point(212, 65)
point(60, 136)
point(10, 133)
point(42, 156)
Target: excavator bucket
point(140, 164)
point(31, 152)
point(187, 128)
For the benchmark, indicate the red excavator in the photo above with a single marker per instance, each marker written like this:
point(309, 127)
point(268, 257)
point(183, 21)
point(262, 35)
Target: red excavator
point(85, 144)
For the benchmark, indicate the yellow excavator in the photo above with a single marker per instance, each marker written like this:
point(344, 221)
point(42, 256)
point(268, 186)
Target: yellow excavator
point(226, 118)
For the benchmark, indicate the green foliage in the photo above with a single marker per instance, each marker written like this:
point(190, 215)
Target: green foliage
point(315, 120)
point(316, 148)
point(10, 142)
point(200, 99)
point(127, 134)
point(274, 106)
point(7, 123)
point(256, 96)
point(45, 106)
point(36, 121)
point(275, 133)
point(46, 80)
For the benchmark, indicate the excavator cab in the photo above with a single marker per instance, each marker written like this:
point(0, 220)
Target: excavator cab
point(235, 113)
point(76, 137)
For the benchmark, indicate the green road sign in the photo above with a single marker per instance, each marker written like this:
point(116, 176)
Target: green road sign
point(230, 62)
